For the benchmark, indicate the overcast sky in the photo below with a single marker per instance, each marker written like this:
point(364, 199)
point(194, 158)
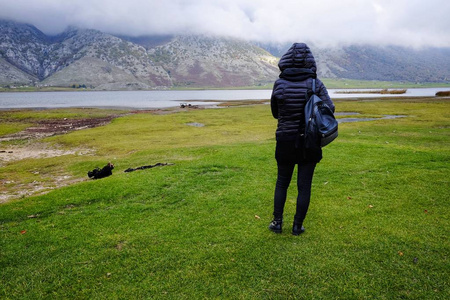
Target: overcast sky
point(327, 22)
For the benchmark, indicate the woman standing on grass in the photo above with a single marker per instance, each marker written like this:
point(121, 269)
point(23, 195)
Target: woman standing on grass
point(289, 96)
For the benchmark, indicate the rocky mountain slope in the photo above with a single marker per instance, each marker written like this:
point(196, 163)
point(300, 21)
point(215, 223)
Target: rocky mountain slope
point(203, 61)
point(389, 63)
point(103, 61)
point(106, 62)
point(10, 74)
point(78, 56)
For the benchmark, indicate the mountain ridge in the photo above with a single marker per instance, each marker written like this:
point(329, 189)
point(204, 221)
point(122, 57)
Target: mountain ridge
point(107, 62)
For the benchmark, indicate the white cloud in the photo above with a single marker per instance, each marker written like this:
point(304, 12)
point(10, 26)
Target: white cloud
point(401, 22)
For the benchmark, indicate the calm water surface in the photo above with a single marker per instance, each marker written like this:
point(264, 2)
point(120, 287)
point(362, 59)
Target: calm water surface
point(158, 99)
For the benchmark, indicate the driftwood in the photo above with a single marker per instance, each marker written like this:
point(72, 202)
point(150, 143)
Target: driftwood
point(186, 105)
point(443, 94)
point(148, 167)
point(98, 173)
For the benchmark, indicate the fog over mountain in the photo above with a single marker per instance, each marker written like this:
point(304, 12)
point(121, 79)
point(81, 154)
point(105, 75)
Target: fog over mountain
point(327, 23)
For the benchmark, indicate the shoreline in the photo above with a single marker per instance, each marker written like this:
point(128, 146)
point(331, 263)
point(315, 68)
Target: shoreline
point(339, 84)
point(145, 100)
point(62, 121)
point(191, 104)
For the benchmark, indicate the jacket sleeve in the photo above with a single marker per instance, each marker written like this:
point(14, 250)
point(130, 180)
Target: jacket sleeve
point(274, 103)
point(323, 94)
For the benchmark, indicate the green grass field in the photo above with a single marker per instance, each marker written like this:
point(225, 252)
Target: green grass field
point(377, 228)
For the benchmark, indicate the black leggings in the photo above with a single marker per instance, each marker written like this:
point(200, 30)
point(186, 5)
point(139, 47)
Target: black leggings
point(304, 181)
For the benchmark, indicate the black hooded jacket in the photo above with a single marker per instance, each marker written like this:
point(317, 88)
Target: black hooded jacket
point(292, 89)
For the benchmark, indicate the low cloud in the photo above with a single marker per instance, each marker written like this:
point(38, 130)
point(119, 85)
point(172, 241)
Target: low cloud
point(327, 22)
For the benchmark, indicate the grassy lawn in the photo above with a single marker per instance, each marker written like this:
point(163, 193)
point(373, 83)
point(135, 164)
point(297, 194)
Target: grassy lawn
point(377, 228)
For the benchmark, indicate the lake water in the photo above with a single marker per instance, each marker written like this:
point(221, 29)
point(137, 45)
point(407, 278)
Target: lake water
point(159, 99)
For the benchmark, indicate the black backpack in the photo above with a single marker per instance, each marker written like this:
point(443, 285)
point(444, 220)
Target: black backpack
point(321, 127)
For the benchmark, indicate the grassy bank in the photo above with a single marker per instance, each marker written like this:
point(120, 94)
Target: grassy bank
point(378, 225)
point(330, 83)
point(375, 84)
point(383, 92)
point(39, 89)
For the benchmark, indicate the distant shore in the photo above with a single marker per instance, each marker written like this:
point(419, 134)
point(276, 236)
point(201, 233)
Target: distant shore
point(329, 83)
point(382, 92)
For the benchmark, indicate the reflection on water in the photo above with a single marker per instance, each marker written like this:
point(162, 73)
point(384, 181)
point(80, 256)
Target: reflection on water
point(350, 120)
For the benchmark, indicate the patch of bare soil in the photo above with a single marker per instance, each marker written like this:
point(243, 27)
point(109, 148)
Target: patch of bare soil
point(170, 110)
point(46, 128)
point(9, 189)
point(13, 190)
point(36, 151)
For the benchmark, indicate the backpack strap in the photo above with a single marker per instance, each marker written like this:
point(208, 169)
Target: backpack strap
point(300, 131)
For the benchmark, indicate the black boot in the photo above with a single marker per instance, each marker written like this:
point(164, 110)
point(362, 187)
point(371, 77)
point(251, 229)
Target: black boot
point(276, 225)
point(297, 228)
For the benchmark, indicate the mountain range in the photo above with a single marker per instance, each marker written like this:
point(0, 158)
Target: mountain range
point(104, 61)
